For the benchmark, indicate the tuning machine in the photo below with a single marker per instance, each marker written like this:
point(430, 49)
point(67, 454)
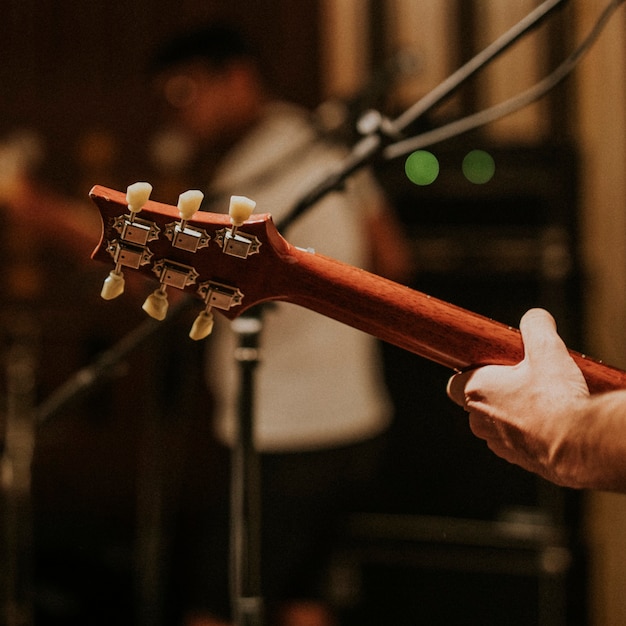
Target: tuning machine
point(130, 250)
point(215, 295)
point(232, 240)
point(170, 274)
point(181, 235)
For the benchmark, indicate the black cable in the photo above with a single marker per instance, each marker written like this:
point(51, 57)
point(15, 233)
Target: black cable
point(372, 144)
point(509, 106)
point(106, 365)
point(491, 52)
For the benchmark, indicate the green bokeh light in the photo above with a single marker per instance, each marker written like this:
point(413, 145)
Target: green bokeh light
point(422, 167)
point(478, 167)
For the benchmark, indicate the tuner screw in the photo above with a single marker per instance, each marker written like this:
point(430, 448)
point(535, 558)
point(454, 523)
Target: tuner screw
point(113, 285)
point(156, 304)
point(202, 326)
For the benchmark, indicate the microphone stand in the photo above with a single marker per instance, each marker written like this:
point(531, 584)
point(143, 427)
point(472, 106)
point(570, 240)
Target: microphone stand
point(245, 518)
point(380, 131)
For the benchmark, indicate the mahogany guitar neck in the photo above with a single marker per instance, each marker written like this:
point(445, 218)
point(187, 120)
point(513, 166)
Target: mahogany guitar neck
point(434, 329)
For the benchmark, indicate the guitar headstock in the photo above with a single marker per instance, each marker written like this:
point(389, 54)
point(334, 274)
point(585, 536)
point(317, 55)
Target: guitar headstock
point(226, 261)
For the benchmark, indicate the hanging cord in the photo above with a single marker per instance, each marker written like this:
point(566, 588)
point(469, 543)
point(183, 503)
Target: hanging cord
point(507, 107)
point(383, 141)
point(465, 72)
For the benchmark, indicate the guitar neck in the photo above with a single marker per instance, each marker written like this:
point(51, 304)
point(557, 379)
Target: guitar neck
point(431, 328)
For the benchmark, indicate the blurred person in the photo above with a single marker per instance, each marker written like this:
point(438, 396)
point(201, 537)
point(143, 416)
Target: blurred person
point(321, 408)
point(83, 444)
point(540, 415)
point(31, 205)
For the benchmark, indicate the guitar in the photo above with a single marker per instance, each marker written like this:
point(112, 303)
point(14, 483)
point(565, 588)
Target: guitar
point(233, 262)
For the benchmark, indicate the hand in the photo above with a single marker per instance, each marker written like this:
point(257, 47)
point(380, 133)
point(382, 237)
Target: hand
point(532, 413)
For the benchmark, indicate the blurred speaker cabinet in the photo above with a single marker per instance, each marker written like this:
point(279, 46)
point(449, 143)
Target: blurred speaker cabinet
point(498, 249)
point(408, 569)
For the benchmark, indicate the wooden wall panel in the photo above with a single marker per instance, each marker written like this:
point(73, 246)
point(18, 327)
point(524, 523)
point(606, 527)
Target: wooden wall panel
point(427, 30)
point(601, 96)
point(344, 49)
point(522, 66)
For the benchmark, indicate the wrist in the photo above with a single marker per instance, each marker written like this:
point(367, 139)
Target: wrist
point(598, 443)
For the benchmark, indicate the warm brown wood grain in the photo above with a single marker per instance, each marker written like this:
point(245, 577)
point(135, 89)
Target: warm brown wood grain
point(436, 330)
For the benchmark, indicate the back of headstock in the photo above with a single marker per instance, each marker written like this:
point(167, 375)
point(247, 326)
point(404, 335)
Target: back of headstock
point(226, 261)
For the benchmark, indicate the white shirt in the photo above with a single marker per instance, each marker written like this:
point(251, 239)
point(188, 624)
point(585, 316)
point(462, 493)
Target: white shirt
point(319, 382)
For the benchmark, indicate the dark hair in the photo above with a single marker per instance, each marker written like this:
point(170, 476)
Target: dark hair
point(216, 44)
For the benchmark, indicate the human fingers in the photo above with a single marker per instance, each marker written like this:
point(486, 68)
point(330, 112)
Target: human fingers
point(456, 387)
point(482, 425)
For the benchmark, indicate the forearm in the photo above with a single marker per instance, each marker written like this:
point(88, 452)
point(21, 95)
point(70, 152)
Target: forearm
point(602, 446)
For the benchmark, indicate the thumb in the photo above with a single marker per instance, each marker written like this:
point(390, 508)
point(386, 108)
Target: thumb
point(545, 351)
point(535, 326)
point(540, 336)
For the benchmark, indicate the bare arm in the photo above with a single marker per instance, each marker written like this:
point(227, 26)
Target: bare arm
point(539, 415)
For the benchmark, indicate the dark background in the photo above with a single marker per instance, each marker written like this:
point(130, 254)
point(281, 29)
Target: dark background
point(116, 476)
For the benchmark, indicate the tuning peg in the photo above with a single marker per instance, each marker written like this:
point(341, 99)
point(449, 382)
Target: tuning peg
point(231, 241)
point(216, 295)
point(113, 285)
point(137, 195)
point(189, 203)
point(202, 326)
point(183, 237)
point(170, 274)
point(156, 304)
point(240, 209)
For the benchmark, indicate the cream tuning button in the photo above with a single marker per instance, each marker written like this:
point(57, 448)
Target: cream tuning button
point(240, 209)
point(188, 203)
point(202, 326)
point(113, 285)
point(156, 304)
point(137, 195)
